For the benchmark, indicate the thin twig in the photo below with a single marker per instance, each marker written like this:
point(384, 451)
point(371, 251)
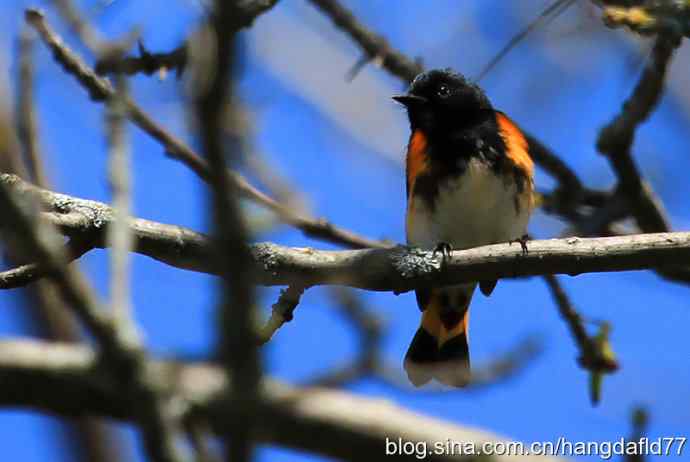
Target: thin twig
point(281, 312)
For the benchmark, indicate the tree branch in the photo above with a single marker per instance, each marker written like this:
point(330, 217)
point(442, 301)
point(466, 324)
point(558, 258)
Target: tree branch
point(396, 269)
point(68, 380)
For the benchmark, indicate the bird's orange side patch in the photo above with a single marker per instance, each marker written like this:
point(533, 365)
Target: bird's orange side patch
point(516, 145)
point(416, 159)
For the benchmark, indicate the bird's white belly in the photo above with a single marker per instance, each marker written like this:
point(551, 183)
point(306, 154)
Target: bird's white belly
point(476, 209)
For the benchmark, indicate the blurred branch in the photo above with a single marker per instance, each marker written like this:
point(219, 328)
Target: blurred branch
point(27, 130)
point(120, 344)
point(616, 138)
point(66, 380)
point(89, 438)
point(119, 235)
point(236, 331)
point(396, 269)
point(100, 89)
point(86, 33)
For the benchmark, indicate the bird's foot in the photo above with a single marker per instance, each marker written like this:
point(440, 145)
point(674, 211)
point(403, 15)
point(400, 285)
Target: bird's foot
point(444, 249)
point(522, 240)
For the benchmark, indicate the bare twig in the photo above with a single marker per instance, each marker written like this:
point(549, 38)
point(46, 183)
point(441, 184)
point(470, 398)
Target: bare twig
point(281, 312)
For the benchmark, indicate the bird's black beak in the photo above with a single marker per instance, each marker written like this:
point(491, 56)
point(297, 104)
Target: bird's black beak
point(410, 100)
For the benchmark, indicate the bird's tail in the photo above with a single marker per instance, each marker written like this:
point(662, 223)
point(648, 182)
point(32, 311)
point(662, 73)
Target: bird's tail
point(439, 349)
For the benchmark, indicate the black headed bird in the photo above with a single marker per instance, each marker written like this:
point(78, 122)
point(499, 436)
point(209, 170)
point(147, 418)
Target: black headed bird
point(469, 183)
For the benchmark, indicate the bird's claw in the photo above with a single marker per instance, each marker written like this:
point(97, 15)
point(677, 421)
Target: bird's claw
point(522, 240)
point(444, 249)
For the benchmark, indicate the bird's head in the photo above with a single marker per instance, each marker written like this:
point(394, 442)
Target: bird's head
point(441, 99)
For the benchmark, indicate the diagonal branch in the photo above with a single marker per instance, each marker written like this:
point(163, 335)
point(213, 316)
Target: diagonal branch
point(374, 46)
point(100, 89)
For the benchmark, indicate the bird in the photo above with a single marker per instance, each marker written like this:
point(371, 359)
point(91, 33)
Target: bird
point(469, 182)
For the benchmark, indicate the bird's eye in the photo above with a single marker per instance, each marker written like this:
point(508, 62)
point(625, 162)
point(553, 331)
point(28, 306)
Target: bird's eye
point(443, 91)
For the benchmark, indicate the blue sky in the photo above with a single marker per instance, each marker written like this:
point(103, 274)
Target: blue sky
point(342, 145)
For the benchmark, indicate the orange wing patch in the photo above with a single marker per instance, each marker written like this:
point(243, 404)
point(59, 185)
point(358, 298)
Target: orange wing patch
point(516, 144)
point(416, 159)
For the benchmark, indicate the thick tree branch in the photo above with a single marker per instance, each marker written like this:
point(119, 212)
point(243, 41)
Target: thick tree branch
point(68, 380)
point(397, 269)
